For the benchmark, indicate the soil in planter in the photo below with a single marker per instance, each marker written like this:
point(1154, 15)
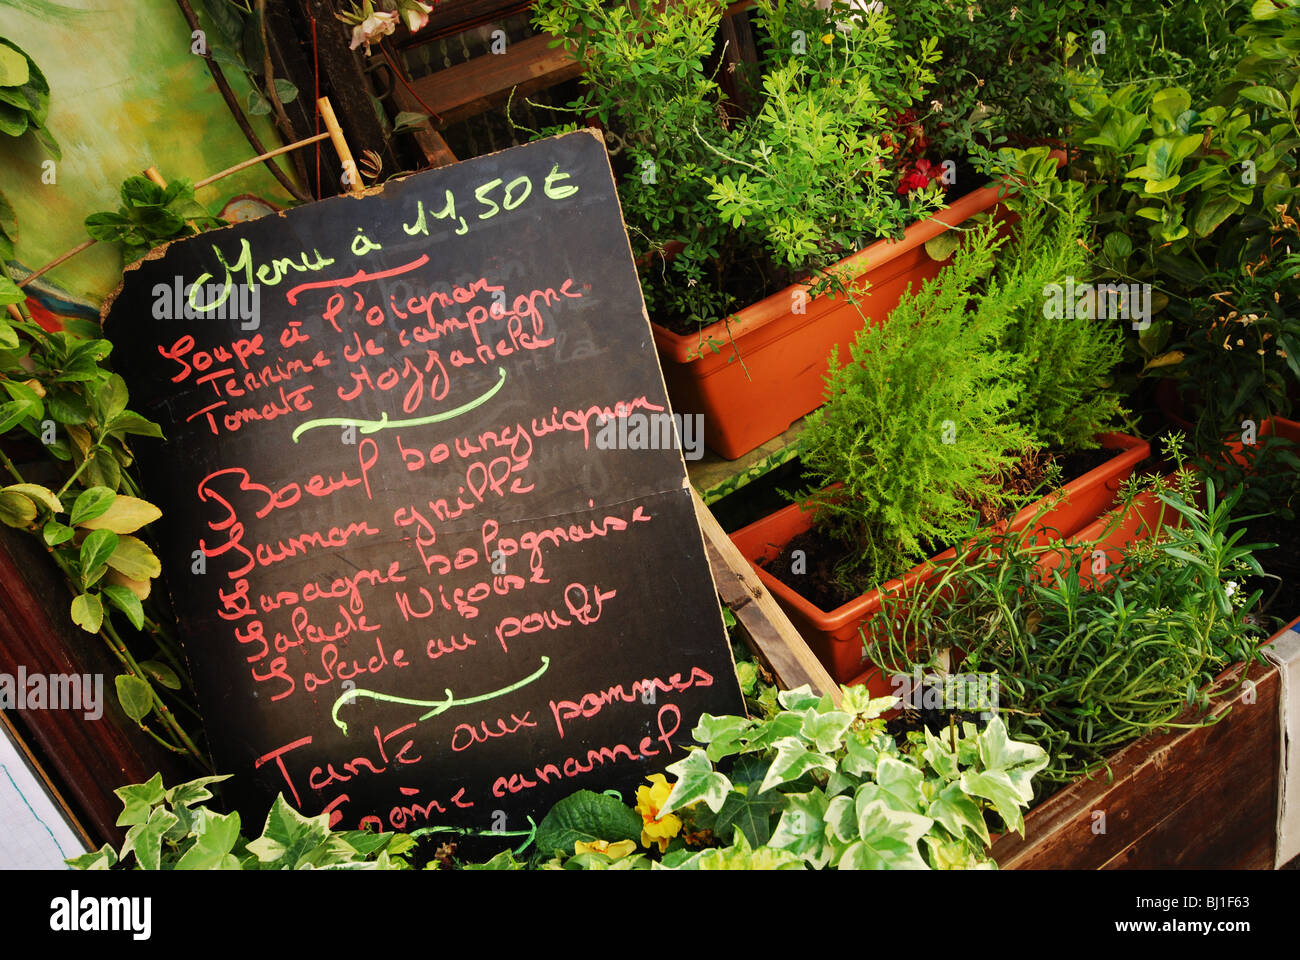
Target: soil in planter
point(816, 580)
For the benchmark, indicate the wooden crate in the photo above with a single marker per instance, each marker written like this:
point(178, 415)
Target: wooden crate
point(1199, 797)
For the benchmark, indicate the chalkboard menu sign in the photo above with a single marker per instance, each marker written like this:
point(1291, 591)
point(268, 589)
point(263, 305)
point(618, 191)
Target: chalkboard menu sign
point(426, 528)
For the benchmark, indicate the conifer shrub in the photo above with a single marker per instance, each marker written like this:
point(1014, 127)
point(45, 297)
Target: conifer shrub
point(1066, 387)
point(918, 423)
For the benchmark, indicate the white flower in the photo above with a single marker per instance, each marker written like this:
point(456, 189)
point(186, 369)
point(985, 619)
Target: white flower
point(1230, 587)
point(415, 13)
point(370, 30)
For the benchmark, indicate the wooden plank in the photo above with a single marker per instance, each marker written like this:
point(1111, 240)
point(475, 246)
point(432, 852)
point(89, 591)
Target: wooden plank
point(430, 141)
point(769, 631)
point(471, 88)
point(1198, 797)
point(468, 89)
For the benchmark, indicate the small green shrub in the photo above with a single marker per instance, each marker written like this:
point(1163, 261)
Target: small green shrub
point(1066, 393)
point(917, 425)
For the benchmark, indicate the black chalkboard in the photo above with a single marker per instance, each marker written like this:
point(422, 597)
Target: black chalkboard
point(416, 583)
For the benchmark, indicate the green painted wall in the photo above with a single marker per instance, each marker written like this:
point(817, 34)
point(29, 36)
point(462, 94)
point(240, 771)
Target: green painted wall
point(125, 93)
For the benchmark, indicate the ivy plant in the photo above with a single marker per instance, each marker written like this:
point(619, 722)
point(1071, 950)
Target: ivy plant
point(172, 829)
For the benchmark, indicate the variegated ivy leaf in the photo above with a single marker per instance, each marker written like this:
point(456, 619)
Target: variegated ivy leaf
point(996, 787)
point(145, 839)
point(724, 735)
point(192, 791)
point(940, 757)
point(288, 835)
point(825, 731)
point(138, 800)
point(900, 784)
point(955, 855)
point(800, 698)
point(216, 837)
point(767, 733)
point(858, 701)
point(696, 780)
point(1019, 760)
point(803, 829)
point(792, 761)
point(958, 812)
point(101, 859)
point(888, 840)
point(860, 759)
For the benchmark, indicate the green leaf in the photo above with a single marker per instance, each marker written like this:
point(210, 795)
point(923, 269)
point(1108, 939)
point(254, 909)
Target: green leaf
point(722, 734)
point(10, 292)
point(138, 799)
point(750, 812)
point(134, 560)
point(126, 601)
point(792, 761)
point(1212, 213)
point(696, 780)
point(586, 816)
point(288, 835)
point(406, 120)
point(258, 105)
point(124, 515)
point(1170, 102)
point(13, 67)
point(1271, 97)
point(88, 612)
point(102, 859)
point(91, 503)
point(900, 784)
point(95, 551)
point(133, 423)
point(825, 730)
point(13, 121)
point(42, 496)
point(285, 90)
point(958, 812)
point(145, 839)
point(16, 510)
point(192, 791)
point(135, 696)
point(217, 836)
point(56, 533)
point(802, 829)
point(889, 839)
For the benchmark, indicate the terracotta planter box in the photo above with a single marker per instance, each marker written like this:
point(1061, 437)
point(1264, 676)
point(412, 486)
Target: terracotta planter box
point(785, 352)
point(834, 634)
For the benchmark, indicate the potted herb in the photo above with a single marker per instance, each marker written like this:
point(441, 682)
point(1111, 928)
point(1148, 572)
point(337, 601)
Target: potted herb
point(744, 226)
point(942, 420)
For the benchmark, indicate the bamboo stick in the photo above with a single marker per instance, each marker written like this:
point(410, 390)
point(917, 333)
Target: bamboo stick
point(350, 173)
point(151, 173)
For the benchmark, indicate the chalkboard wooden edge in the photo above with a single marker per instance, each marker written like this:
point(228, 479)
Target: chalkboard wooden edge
point(768, 631)
point(160, 251)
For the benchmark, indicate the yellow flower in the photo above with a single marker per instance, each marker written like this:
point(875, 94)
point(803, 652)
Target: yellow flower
point(615, 851)
point(827, 38)
point(649, 801)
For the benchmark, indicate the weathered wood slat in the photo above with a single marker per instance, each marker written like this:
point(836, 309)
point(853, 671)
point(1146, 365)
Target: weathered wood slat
point(768, 630)
point(470, 88)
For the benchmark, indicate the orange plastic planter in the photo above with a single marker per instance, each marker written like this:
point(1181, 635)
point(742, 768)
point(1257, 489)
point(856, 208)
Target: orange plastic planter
point(833, 635)
point(778, 376)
